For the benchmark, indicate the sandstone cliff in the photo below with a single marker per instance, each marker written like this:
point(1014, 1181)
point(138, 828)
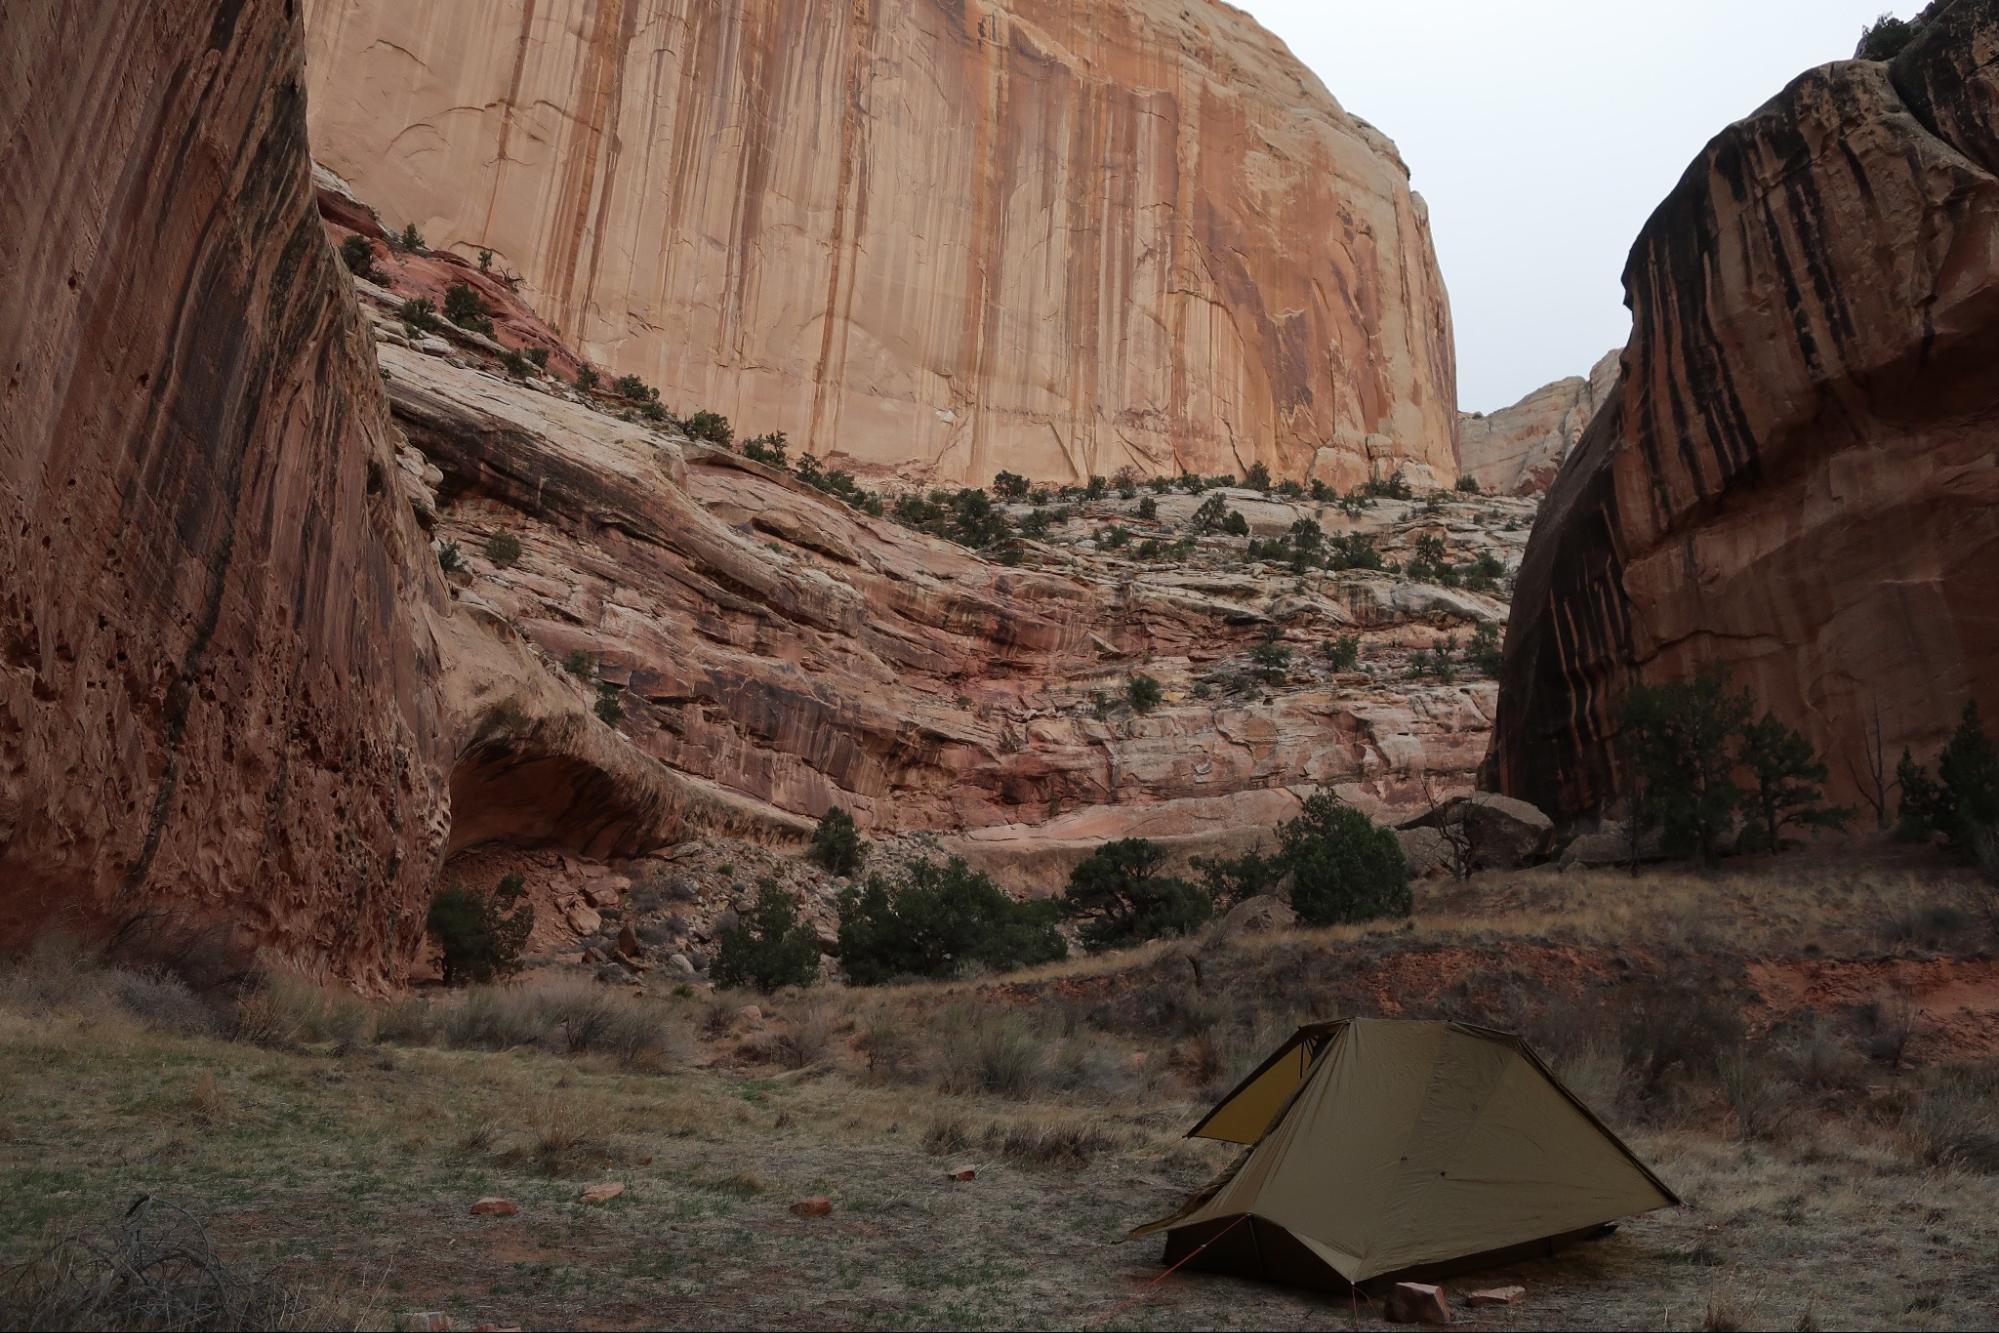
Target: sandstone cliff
point(945, 237)
point(1796, 477)
point(1519, 449)
point(217, 698)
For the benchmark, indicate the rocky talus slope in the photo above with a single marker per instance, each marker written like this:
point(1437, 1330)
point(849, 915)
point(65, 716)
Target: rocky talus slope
point(1519, 449)
point(1050, 238)
point(218, 697)
point(1797, 476)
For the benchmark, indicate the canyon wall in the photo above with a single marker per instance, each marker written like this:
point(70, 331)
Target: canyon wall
point(942, 236)
point(1798, 477)
point(1519, 449)
point(218, 700)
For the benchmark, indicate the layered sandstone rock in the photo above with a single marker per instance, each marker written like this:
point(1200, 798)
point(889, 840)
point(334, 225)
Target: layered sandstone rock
point(1519, 449)
point(217, 697)
point(1798, 476)
point(948, 238)
point(776, 652)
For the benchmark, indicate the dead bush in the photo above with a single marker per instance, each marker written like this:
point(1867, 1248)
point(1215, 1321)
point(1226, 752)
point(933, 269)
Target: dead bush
point(1758, 1094)
point(1000, 1054)
point(809, 1037)
point(407, 1020)
point(55, 973)
point(156, 1268)
point(163, 1002)
point(1955, 1122)
point(1886, 1025)
point(582, 1017)
point(284, 1009)
point(1676, 1028)
point(492, 1019)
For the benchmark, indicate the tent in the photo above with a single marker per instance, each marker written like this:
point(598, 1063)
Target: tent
point(1381, 1148)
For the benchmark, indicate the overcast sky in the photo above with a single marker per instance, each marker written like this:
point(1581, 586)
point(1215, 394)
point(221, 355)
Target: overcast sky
point(1544, 132)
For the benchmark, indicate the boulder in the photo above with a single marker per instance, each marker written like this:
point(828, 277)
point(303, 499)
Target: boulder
point(628, 942)
point(492, 1206)
point(1415, 1303)
point(603, 1193)
point(816, 1206)
point(1611, 846)
point(1255, 916)
point(1505, 832)
point(1426, 850)
point(585, 920)
point(1495, 1296)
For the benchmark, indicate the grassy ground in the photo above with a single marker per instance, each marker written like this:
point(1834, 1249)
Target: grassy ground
point(341, 1146)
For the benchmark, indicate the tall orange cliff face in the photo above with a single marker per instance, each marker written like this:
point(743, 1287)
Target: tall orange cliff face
point(1797, 476)
point(943, 236)
point(217, 696)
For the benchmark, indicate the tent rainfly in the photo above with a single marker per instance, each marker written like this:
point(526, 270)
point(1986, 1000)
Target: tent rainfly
point(1382, 1148)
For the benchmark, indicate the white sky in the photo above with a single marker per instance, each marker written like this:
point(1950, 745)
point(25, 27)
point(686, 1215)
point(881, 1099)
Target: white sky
point(1544, 132)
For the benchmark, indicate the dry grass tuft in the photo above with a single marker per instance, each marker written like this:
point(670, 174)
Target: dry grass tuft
point(156, 1269)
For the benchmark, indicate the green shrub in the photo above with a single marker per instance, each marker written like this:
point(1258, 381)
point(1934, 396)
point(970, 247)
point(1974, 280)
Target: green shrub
point(608, 708)
point(1097, 489)
point(539, 356)
point(412, 239)
point(485, 261)
point(1213, 511)
point(939, 920)
point(636, 389)
point(419, 314)
point(712, 427)
point(771, 449)
point(1679, 743)
point(1343, 652)
point(586, 377)
point(769, 947)
point(1885, 38)
point(1258, 478)
point(1121, 898)
point(1962, 800)
point(1010, 486)
point(450, 558)
point(515, 364)
point(503, 549)
point(1230, 880)
point(1788, 785)
point(836, 843)
point(1468, 484)
point(1342, 867)
point(1272, 661)
point(1142, 692)
point(1148, 508)
point(1235, 524)
point(358, 253)
point(581, 664)
point(463, 307)
point(1486, 652)
point(480, 936)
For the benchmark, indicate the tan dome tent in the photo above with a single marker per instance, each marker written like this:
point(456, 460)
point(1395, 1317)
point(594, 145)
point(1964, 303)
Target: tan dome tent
point(1381, 1148)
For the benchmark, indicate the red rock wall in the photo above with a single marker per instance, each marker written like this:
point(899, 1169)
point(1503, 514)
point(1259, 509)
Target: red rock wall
point(945, 236)
point(1798, 476)
point(216, 696)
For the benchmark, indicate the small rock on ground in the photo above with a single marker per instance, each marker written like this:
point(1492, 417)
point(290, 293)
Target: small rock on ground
point(1416, 1303)
point(493, 1207)
point(816, 1206)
